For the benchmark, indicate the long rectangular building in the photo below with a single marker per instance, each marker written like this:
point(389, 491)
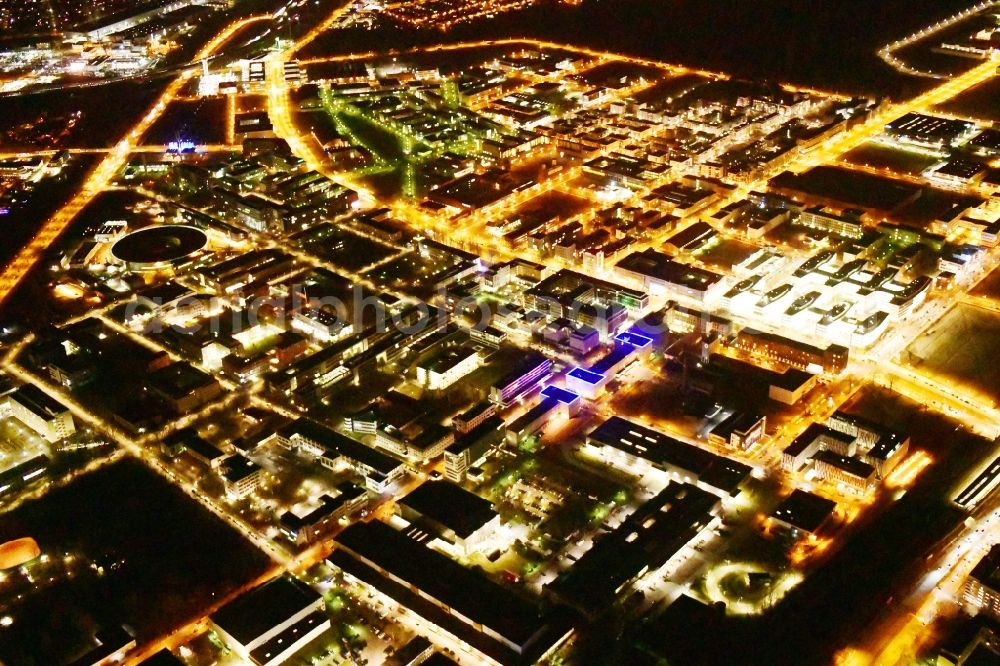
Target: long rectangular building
point(640, 450)
point(881, 447)
point(472, 446)
point(800, 355)
point(333, 449)
point(503, 627)
point(35, 409)
point(658, 271)
point(644, 541)
point(982, 588)
point(269, 624)
point(528, 372)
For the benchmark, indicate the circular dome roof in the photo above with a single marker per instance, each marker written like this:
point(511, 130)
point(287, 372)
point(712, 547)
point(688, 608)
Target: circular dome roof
point(18, 552)
point(152, 247)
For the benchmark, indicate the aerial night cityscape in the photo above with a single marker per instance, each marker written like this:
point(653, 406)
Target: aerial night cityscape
point(499, 332)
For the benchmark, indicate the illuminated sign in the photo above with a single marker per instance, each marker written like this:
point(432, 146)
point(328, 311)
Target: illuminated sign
point(181, 147)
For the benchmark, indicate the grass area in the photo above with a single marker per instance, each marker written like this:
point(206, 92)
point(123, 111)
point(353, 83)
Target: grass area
point(410, 272)
point(559, 204)
point(981, 102)
point(880, 156)
point(380, 141)
point(348, 250)
point(725, 253)
point(962, 347)
point(848, 187)
point(659, 403)
point(990, 286)
point(153, 579)
point(930, 205)
point(923, 57)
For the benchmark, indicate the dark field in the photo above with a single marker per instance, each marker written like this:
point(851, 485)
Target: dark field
point(879, 156)
point(989, 286)
point(850, 188)
point(961, 348)
point(981, 103)
point(202, 121)
point(82, 118)
point(24, 218)
point(164, 560)
point(820, 43)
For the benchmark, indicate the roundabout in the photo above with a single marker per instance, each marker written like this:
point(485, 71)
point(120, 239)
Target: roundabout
point(746, 588)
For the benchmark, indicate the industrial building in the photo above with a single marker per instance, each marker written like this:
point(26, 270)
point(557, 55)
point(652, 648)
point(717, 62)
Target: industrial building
point(269, 624)
point(501, 626)
point(334, 450)
point(644, 451)
point(465, 522)
point(645, 541)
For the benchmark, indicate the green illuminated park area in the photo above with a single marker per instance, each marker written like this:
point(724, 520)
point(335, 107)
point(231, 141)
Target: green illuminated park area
point(415, 136)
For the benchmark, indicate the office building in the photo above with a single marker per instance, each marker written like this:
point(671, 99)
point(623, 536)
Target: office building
point(472, 447)
point(527, 373)
point(881, 447)
point(846, 225)
point(852, 472)
point(334, 450)
point(183, 387)
point(473, 416)
point(831, 359)
point(644, 541)
point(658, 272)
point(309, 526)
point(650, 453)
point(35, 409)
point(740, 430)
point(442, 370)
point(112, 646)
point(982, 588)
point(241, 476)
point(556, 402)
point(803, 512)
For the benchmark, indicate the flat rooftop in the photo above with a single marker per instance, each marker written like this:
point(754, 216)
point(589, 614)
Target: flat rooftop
point(658, 266)
point(852, 466)
point(525, 365)
point(260, 610)
point(804, 511)
point(335, 444)
point(663, 450)
point(450, 505)
point(928, 128)
point(179, 379)
point(561, 395)
point(813, 432)
point(492, 427)
point(987, 571)
point(645, 540)
point(36, 401)
point(737, 422)
point(588, 376)
point(401, 567)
